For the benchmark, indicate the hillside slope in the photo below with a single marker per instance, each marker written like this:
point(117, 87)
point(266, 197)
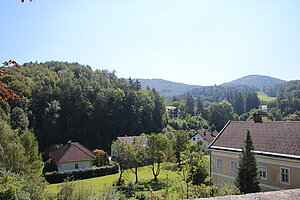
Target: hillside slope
point(167, 88)
point(258, 81)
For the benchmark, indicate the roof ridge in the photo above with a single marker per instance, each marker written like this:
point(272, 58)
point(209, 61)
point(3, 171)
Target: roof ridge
point(220, 133)
point(64, 151)
point(81, 149)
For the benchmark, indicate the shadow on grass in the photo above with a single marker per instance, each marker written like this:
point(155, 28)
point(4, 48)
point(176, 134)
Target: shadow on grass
point(133, 190)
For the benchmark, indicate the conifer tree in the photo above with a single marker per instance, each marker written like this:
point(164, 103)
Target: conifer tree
point(189, 105)
point(247, 179)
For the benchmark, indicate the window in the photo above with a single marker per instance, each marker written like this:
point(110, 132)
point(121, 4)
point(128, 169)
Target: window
point(233, 166)
point(76, 166)
point(284, 175)
point(219, 163)
point(262, 172)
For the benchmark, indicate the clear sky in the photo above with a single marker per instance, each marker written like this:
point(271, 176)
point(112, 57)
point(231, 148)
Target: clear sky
point(201, 42)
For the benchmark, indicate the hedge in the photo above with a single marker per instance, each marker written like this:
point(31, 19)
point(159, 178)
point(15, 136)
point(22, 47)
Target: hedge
point(58, 177)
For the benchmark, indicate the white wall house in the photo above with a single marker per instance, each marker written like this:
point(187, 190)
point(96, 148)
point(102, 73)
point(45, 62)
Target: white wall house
point(67, 166)
point(206, 136)
point(72, 156)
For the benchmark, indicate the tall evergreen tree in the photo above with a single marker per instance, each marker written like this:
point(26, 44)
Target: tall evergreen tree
point(199, 105)
point(238, 104)
point(247, 179)
point(189, 105)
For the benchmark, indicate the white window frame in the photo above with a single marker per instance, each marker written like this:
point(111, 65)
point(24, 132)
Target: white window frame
point(231, 166)
point(266, 170)
point(221, 163)
point(289, 175)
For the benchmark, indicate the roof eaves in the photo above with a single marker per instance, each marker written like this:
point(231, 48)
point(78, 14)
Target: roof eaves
point(219, 134)
point(257, 152)
point(225, 148)
point(277, 154)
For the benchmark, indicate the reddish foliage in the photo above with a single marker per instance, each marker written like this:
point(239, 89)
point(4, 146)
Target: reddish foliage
point(5, 93)
point(98, 152)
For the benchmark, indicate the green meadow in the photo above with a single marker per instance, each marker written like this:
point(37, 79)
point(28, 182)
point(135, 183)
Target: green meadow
point(263, 96)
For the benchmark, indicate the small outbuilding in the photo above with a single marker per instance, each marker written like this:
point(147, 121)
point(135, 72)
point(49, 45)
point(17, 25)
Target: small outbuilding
point(72, 156)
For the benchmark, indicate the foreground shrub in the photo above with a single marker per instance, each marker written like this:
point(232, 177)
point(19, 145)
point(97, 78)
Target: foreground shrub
point(58, 177)
point(14, 186)
point(71, 191)
point(110, 193)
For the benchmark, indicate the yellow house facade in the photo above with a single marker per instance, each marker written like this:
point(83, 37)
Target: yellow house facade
point(277, 153)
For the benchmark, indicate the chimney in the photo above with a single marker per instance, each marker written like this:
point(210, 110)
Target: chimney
point(204, 133)
point(70, 141)
point(257, 117)
point(212, 134)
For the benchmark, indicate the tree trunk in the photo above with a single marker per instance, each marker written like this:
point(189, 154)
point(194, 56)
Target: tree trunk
point(120, 177)
point(136, 175)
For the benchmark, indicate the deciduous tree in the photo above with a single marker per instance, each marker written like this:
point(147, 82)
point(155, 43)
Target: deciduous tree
point(158, 151)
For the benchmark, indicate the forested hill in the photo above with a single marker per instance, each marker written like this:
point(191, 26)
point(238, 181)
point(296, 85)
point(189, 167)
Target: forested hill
point(67, 101)
point(247, 83)
point(255, 81)
point(284, 88)
point(167, 88)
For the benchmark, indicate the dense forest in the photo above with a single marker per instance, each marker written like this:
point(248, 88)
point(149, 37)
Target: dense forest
point(67, 101)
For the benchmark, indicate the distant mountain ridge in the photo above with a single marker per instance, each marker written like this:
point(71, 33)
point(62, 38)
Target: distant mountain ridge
point(167, 88)
point(258, 81)
point(170, 89)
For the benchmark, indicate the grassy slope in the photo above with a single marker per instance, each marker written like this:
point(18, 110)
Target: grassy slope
point(265, 97)
point(100, 183)
point(145, 175)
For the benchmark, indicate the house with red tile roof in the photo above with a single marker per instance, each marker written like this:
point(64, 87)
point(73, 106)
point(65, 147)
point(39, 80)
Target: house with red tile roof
point(277, 149)
point(72, 156)
point(206, 136)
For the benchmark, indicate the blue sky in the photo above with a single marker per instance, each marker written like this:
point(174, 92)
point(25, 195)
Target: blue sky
point(189, 41)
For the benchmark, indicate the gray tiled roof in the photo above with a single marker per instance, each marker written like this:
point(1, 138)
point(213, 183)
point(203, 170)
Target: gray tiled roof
point(279, 137)
point(130, 139)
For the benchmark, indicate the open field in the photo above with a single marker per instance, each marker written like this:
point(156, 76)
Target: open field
point(263, 96)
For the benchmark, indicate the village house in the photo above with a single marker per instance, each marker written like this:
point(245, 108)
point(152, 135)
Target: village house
point(206, 136)
point(173, 111)
point(72, 156)
point(130, 139)
point(277, 149)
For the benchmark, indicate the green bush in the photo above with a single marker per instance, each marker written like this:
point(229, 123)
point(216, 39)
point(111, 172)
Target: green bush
point(110, 193)
point(15, 186)
point(71, 191)
point(49, 166)
point(58, 177)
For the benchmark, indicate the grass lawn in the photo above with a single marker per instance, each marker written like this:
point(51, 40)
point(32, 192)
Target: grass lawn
point(145, 177)
point(99, 183)
point(263, 96)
